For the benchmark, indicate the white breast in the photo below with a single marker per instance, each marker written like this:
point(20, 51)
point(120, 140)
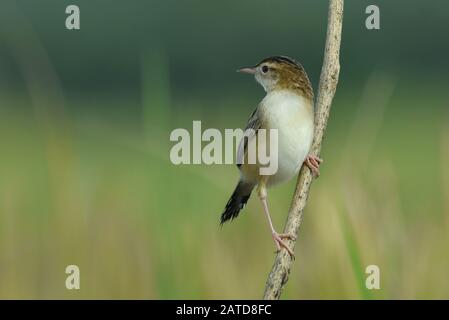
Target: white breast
point(292, 115)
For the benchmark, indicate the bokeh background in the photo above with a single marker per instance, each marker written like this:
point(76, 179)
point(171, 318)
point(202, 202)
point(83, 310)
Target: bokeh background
point(85, 176)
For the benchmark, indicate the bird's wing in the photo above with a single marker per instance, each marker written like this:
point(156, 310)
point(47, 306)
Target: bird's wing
point(253, 125)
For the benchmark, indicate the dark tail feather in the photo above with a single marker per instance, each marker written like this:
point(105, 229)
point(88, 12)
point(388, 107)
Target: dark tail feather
point(237, 201)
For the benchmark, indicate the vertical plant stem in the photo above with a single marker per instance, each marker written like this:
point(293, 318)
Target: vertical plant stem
point(328, 84)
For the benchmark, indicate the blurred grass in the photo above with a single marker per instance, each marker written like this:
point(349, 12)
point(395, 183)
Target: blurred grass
point(140, 227)
point(86, 180)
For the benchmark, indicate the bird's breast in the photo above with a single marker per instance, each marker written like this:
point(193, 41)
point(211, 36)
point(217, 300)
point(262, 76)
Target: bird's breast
point(292, 115)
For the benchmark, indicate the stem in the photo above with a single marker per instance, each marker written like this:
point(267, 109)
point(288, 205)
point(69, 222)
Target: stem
point(328, 84)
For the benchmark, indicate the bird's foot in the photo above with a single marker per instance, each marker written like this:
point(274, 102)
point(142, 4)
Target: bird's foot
point(313, 162)
point(278, 241)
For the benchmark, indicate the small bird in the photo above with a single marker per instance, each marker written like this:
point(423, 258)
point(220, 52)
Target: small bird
point(288, 107)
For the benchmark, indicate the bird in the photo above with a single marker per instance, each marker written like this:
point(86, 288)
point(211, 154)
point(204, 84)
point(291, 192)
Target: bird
point(287, 106)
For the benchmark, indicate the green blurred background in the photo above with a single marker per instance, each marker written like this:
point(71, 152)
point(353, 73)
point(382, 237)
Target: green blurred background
point(85, 176)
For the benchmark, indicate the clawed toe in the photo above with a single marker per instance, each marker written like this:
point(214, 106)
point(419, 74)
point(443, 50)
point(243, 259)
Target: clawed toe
point(287, 236)
point(281, 244)
point(313, 162)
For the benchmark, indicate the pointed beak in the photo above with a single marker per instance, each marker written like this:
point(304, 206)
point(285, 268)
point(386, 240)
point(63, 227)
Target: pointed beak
point(247, 70)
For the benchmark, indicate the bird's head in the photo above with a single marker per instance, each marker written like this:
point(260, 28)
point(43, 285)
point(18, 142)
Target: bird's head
point(278, 73)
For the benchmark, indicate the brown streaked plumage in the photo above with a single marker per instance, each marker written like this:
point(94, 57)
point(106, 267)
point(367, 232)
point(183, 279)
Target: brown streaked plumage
point(292, 75)
point(287, 108)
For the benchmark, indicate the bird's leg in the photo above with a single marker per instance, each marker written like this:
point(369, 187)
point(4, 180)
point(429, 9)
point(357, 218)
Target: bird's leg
point(313, 162)
point(277, 237)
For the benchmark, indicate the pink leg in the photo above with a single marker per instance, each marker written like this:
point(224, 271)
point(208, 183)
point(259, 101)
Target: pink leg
point(277, 237)
point(313, 162)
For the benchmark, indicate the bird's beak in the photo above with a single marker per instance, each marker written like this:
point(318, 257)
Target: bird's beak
point(247, 70)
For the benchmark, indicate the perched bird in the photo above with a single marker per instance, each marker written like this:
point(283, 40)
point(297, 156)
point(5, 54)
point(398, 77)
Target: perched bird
point(288, 107)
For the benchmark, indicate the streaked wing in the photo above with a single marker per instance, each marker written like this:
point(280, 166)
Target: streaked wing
point(250, 132)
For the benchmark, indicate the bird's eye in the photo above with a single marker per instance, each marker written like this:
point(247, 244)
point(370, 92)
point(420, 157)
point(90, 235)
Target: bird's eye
point(264, 69)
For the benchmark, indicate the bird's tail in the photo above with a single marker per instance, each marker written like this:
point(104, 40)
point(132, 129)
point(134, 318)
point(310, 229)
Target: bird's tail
point(237, 201)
